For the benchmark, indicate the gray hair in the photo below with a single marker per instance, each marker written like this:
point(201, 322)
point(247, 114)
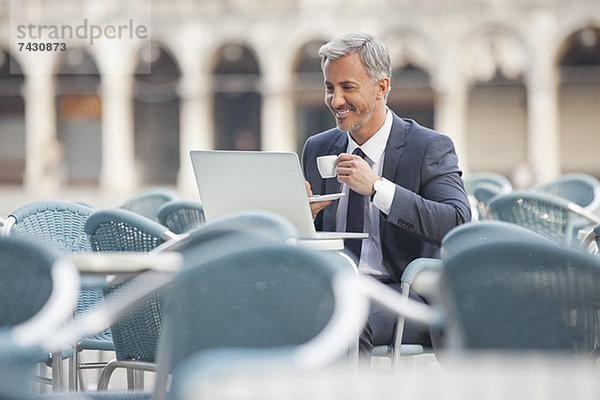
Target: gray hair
point(373, 53)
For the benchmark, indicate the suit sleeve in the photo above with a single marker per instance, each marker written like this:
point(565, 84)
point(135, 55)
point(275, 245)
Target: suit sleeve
point(440, 202)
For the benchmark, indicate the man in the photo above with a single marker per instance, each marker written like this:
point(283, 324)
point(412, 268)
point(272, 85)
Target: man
point(405, 178)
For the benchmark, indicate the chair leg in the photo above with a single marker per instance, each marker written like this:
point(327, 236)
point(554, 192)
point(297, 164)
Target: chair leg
point(57, 381)
point(130, 379)
point(73, 361)
point(138, 382)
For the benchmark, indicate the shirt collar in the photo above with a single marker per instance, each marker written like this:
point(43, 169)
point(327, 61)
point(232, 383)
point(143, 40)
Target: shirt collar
point(375, 146)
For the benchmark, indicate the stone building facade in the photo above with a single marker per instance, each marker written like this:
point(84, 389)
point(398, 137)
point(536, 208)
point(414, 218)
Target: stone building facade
point(515, 83)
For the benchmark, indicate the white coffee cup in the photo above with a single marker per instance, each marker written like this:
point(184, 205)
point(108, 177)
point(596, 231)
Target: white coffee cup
point(326, 166)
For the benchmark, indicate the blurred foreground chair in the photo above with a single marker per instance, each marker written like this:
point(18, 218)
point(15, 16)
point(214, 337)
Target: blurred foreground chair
point(38, 293)
point(260, 294)
point(136, 334)
point(548, 215)
point(148, 202)
point(522, 295)
point(581, 189)
point(181, 216)
point(59, 225)
point(458, 239)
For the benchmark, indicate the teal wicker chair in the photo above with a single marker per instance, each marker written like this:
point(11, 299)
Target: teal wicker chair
point(136, 335)
point(38, 293)
point(581, 189)
point(523, 295)
point(482, 194)
point(181, 216)
point(60, 225)
point(148, 202)
point(260, 294)
point(481, 188)
point(491, 178)
point(56, 224)
point(548, 215)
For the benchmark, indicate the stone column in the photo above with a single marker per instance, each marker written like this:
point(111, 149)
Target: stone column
point(196, 126)
point(44, 153)
point(450, 107)
point(278, 132)
point(543, 140)
point(118, 154)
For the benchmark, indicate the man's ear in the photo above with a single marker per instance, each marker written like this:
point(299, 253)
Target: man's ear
point(383, 87)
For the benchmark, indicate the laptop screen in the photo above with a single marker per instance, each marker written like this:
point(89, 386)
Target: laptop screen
point(231, 181)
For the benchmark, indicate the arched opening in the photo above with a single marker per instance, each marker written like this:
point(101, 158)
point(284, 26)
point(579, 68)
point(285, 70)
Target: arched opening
point(579, 102)
point(237, 99)
point(312, 115)
point(12, 121)
point(411, 95)
point(78, 118)
point(496, 124)
point(156, 113)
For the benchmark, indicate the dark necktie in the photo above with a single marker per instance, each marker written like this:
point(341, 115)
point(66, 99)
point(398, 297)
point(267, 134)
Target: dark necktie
point(355, 215)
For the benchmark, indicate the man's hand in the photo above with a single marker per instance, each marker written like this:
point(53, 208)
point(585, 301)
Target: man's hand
point(356, 173)
point(317, 205)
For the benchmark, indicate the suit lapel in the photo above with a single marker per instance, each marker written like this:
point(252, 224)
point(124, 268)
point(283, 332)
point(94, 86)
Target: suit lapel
point(332, 185)
point(394, 149)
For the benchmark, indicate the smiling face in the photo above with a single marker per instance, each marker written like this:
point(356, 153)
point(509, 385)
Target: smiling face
point(356, 102)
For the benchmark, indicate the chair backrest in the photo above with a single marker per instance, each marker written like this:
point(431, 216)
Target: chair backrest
point(181, 215)
point(516, 294)
point(121, 230)
point(546, 214)
point(148, 202)
point(483, 193)
point(477, 233)
point(56, 224)
point(25, 279)
point(135, 336)
point(581, 189)
point(258, 294)
point(472, 181)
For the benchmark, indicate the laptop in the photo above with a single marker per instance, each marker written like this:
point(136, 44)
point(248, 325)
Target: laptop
point(231, 181)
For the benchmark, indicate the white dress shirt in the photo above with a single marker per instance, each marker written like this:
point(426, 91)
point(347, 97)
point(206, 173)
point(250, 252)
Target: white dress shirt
point(371, 257)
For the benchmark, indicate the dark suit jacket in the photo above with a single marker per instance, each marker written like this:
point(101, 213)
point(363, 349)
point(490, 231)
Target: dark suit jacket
point(429, 200)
